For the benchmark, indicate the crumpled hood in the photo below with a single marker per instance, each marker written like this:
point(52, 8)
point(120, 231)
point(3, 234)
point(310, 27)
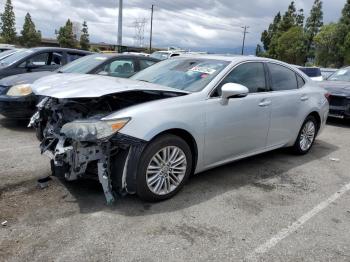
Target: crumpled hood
point(27, 78)
point(336, 87)
point(85, 86)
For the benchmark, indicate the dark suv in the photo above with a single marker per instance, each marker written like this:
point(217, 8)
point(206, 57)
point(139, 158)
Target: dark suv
point(38, 59)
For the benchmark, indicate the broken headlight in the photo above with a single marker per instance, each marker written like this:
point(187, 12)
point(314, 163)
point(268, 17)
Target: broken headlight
point(20, 90)
point(91, 130)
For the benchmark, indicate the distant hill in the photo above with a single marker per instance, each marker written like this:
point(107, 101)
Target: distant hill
point(248, 50)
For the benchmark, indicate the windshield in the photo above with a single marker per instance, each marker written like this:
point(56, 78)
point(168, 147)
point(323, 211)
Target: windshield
point(83, 65)
point(15, 57)
point(7, 53)
point(341, 75)
point(160, 55)
point(189, 74)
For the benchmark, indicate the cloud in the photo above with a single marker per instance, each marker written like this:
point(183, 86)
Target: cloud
point(184, 23)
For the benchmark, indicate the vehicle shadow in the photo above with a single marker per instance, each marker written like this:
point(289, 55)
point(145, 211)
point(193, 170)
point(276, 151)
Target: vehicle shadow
point(338, 122)
point(200, 188)
point(15, 125)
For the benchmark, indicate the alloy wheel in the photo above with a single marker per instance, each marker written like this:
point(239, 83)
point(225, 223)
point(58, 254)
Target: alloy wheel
point(166, 170)
point(307, 135)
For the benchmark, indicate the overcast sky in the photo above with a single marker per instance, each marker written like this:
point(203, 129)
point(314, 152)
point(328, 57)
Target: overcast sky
point(184, 23)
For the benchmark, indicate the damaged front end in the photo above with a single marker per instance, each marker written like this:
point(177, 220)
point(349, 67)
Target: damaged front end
point(79, 143)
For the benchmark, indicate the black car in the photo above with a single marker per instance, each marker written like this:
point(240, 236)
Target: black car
point(38, 59)
point(18, 102)
point(338, 85)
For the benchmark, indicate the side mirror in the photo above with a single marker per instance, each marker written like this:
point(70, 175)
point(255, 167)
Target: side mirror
point(232, 90)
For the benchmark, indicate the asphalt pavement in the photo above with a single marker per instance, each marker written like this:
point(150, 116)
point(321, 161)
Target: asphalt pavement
point(271, 207)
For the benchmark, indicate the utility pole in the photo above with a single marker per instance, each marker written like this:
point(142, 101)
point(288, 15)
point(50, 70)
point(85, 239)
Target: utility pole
point(244, 34)
point(150, 37)
point(120, 26)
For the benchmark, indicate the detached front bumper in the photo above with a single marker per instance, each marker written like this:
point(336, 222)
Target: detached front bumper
point(71, 160)
point(17, 107)
point(116, 161)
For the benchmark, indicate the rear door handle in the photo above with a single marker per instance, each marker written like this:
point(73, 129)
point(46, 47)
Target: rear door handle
point(304, 98)
point(265, 103)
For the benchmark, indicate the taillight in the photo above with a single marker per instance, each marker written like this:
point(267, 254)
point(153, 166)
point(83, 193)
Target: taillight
point(327, 96)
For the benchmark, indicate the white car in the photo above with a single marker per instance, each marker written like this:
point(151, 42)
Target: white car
point(147, 134)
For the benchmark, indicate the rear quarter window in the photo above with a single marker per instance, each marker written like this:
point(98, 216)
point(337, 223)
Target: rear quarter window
point(282, 78)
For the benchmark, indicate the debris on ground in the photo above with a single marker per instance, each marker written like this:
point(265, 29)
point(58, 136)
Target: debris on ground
point(4, 223)
point(334, 159)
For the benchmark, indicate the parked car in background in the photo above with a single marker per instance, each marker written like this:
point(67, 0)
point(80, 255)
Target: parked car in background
point(163, 55)
point(147, 134)
point(18, 101)
point(5, 47)
point(313, 72)
point(338, 85)
point(136, 53)
point(327, 72)
point(38, 59)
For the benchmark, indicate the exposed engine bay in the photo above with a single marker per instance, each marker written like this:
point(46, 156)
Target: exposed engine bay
point(79, 143)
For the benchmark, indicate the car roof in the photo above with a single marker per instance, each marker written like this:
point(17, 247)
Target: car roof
point(35, 49)
point(112, 55)
point(229, 58)
point(236, 59)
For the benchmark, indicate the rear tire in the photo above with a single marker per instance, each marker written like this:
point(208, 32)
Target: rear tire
point(306, 136)
point(164, 168)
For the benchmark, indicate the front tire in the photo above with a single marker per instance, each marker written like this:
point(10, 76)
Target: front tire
point(306, 136)
point(165, 165)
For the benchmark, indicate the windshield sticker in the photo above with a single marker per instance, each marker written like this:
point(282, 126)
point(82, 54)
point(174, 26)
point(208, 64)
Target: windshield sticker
point(101, 58)
point(202, 69)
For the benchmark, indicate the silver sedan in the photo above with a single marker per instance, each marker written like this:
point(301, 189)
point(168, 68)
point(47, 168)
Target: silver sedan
point(182, 116)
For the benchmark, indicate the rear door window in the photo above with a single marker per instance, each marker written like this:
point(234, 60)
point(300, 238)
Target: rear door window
point(39, 60)
point(45, 60)
point(282, 78)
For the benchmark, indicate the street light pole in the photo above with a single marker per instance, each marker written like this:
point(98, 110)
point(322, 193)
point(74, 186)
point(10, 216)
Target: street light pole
point(244, 35)
point(120, 26)
point(150, 37)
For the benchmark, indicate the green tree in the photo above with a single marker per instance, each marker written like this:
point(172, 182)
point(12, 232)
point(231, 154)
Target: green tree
point(345, 18)
point(8, 26)
point(327, 49)
point(300, 17)
point(346, 49)
point(291, 46)
point(343, 30)
point(313, 25)
point(66, 36)
point(84, 38)
point(267, 35)
point(288, 19)
point(29, 35)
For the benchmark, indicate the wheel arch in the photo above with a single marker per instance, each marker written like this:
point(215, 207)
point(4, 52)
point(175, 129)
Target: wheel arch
point(317, 116)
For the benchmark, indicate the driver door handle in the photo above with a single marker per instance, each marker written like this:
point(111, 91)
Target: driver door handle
point(265, 103)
